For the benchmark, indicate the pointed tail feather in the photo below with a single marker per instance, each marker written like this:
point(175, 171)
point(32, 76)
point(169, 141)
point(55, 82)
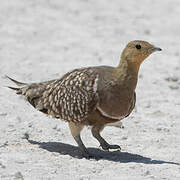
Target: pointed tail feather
point(18, 90)
point(16, 82)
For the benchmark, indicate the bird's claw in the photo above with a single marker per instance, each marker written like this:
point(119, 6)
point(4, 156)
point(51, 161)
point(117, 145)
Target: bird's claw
point(106, 147)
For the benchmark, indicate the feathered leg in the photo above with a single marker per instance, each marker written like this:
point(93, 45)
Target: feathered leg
point(76, 128)
point(96, 133)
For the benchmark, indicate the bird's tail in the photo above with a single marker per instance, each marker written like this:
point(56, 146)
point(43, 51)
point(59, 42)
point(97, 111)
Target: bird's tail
point(20, 84)
point(33, 92)
point(16, 82)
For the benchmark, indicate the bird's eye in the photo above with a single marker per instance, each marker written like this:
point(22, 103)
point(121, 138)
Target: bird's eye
point(138, 46)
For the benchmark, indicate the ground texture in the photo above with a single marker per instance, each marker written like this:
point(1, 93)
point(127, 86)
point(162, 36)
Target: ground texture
point(41, 40)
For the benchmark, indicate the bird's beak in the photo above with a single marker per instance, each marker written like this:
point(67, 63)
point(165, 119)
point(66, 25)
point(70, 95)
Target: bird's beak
point(154, 49)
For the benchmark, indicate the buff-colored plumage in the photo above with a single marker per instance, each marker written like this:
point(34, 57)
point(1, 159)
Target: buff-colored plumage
point(92, 96)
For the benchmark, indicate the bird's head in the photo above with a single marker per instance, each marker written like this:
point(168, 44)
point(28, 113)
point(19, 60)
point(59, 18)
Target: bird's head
point(136, 51)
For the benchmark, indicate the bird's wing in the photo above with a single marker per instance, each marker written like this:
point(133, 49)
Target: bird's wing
point(73, 97)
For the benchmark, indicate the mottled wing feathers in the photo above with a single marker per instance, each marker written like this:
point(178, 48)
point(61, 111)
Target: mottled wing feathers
point(72, 97)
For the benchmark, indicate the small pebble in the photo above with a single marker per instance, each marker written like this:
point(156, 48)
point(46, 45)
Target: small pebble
point(19, 161)
point(166, 130)
point(3, 114)
point(173, 87)
point(4, 144)
point(159, 129)
point(147, 173)
point(18, 118)
point(147, 32)
point(2, 166)
point(57, 128)
point(30, 124)
point(124, 138)
point(39, 130)
point(172, 79)
point(18, 175)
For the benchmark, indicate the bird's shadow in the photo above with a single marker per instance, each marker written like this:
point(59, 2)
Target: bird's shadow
point(116, 156)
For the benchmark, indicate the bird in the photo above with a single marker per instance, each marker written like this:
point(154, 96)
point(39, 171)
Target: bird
point(91, 96)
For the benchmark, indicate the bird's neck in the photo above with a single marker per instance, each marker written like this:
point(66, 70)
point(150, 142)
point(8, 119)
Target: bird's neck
point(127, 74)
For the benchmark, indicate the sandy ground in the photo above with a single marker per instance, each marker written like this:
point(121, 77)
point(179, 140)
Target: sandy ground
point(43, 39)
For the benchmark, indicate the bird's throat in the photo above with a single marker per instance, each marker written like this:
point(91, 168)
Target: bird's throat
point(127, 73)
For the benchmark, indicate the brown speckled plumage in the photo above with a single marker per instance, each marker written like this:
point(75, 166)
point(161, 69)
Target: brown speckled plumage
point(72, 97)
point(92, 96)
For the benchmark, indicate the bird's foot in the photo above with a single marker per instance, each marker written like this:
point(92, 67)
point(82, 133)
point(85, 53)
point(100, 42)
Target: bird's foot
point(86, 154)
point(107, 146)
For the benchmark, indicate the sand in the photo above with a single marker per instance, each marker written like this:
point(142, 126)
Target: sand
point(41, 40)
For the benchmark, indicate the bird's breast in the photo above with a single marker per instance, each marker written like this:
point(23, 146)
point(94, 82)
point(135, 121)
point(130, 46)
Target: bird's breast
point(115, 104)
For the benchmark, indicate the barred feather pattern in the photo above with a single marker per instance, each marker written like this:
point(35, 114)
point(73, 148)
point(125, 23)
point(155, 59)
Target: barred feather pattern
point(73, 97)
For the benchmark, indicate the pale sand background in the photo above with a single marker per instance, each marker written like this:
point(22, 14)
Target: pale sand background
point(43, 39)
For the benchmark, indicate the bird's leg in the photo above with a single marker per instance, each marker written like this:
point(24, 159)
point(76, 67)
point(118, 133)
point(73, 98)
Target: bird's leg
point(76, 128)
point(96, 133)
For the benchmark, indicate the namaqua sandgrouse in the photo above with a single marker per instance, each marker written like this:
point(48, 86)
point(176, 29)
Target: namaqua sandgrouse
point(93, 96)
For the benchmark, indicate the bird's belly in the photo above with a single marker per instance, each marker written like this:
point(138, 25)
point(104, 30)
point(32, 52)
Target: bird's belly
point(110, 114)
